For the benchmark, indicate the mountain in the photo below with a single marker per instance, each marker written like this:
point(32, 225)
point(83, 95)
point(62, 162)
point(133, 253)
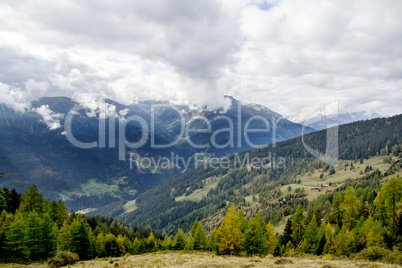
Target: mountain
point(37, 147)
point(321, 122)
point(203, 193)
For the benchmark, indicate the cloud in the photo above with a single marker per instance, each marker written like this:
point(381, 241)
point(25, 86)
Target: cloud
point(303, 54)
point(289, 56)
point(50, 118)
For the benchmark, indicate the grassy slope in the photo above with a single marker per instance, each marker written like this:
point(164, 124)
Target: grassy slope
point(313, 185)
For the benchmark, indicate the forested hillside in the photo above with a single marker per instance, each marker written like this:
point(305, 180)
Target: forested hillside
point(354, 222)
point(203, 194)
point(34, 229)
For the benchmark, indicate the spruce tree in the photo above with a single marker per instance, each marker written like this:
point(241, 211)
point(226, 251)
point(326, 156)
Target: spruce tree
point(321, 244)
point(287, 232)
point(80, 242)
point(298, 225)
point(310, 241)
point(255, 237)
point(111, 246)
point(213, 241)
point(392, 194)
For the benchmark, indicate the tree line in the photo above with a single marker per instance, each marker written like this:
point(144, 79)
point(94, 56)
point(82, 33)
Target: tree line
point(37, 229)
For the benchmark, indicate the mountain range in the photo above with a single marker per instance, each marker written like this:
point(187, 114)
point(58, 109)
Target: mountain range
point(37, 149)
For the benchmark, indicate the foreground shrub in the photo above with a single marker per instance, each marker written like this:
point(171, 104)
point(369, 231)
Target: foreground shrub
point(395, 257)
point(63, 258)
point(373, 253)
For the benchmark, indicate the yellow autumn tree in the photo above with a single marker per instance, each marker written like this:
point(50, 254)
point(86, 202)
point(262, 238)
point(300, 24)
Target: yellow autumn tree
point(230, 235)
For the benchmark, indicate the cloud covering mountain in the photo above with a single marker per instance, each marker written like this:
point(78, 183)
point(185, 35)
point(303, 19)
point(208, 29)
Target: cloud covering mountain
point(290, 56)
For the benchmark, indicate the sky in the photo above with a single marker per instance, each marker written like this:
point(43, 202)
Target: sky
point(291, 56)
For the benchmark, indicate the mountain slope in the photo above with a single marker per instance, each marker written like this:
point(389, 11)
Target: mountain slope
point(35, 150)
point(202, 193)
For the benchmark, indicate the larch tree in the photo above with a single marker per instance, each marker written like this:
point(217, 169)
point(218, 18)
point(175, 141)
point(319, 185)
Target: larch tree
point(350, 206)
point(33, 200)
point(166, 243)
point(270, 237)
point(151, 243)
point(200, 239)
point(180, 241)
point(230, 236)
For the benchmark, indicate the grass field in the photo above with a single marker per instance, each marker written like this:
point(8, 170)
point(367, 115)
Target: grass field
point(205, 259)
point(199, 194)
point(130, 206)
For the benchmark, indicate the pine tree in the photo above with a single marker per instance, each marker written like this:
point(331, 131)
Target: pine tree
point(270, 237)
point(255, 237)
point(310, 240)
point(14, 239)
point(277, 250)
point(166, 243)
point(180, 241)
point(136, 246)
point(124, 245)
point(298, 225)
point(5, 221)
point(100, 245)
point(318, 216)
point(337, 209)
point(189, 242)
point(36, 237)
point(392, 193)
point(3, 202)
point(343, 242)
point(213, 241)
point(151, 243)
point(58, 212)
point(350, 206)
point(32, 200)
point(200, 239)
point(243, 222)
point(15, 201)
point(111, 246)
point(64, 237)
point(287, 232)
point(80, 242)
point(321, 245)
point(230, 233)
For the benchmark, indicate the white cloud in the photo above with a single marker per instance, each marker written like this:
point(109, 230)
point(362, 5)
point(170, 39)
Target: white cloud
point(287, 55)
point(51, 118)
